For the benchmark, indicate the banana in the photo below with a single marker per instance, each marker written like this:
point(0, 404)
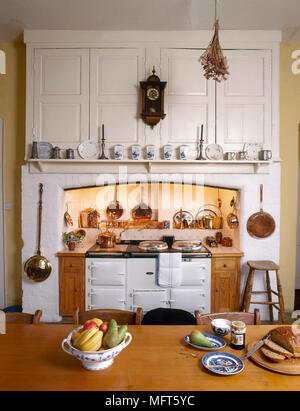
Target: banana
point(85, 336)
point(93, 344)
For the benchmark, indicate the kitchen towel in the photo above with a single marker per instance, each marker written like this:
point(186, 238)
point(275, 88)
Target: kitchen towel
point(169, 269)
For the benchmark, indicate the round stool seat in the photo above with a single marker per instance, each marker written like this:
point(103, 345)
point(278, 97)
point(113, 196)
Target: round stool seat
point(263, 265)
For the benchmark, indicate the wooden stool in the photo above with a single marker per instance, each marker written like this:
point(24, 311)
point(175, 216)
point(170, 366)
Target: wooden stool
point(264, 266)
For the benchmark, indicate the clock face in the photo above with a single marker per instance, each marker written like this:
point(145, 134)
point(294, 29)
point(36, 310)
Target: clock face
point(152, 94)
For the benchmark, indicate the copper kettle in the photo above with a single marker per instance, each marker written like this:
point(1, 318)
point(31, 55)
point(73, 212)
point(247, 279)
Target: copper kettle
point(108, 239)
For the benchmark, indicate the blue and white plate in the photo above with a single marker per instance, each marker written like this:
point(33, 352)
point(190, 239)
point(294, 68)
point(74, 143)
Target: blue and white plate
point(222, 363)
point(218, 342)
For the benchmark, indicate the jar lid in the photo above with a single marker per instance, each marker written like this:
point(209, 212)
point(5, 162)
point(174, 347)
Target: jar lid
point(238, 325)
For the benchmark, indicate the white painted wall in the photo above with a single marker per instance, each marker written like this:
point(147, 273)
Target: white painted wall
point(45, 295)
point(297, 285)
point(2, 242)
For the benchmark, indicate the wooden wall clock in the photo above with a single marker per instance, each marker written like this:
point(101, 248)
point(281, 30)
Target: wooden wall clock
point(153, 99)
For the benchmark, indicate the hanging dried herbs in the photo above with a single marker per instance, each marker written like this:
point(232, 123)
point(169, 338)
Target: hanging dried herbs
point(213, 61)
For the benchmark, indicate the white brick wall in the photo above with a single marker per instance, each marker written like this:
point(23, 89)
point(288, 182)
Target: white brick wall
point(45, 295)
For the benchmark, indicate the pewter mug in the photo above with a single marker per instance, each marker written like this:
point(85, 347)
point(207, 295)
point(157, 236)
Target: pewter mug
point(230, 155)
point(265, 155)
point(241, 155)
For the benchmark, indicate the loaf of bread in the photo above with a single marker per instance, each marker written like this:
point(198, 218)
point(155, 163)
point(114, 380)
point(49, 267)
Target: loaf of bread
point(271, 345)
point(273, 356)
point(287, 337)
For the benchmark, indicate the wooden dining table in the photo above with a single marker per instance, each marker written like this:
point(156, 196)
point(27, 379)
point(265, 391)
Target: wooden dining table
point(31, 358)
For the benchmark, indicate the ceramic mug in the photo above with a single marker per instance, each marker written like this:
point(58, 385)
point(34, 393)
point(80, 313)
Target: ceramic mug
point(150, 150)
point(183, 152)
point(168, 152)
point(118, 152)
point(136, 152)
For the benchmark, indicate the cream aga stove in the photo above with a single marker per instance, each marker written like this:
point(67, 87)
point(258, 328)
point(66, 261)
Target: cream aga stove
point(128, 279)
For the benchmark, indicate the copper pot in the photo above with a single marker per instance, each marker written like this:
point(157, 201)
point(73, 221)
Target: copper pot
point(107, 239)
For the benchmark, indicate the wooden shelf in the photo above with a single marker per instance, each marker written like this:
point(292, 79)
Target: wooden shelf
point(95, 166)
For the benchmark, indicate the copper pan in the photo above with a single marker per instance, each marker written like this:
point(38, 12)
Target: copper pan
point(114, 210)
point(142, 211)
point(38, 268)
point(261, 224)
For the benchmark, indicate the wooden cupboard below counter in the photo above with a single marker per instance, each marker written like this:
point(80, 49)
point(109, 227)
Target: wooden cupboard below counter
point(225, 282)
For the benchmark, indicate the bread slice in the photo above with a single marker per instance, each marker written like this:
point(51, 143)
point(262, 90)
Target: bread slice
point(277, 348)
point(273, 356)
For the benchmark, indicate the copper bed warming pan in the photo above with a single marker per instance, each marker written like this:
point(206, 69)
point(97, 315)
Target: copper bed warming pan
point(38, 268)
point(261, 224)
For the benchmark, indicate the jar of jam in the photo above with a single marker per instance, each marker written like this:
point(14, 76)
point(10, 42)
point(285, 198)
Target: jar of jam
point(238, 335)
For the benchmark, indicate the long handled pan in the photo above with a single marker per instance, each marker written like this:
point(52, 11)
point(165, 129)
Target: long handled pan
point(114, 210)
point(38, 268)
point(261, 224)
point(142, 210)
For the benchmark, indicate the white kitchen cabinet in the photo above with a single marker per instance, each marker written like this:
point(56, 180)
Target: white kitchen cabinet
point(189, 99)
point(75, 86)
point(114, 99)
point(61, 96)
point(244, 100)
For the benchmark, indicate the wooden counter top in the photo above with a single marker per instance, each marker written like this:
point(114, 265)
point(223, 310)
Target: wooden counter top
point(80, 251)
point(31, 358)
point(221, 251)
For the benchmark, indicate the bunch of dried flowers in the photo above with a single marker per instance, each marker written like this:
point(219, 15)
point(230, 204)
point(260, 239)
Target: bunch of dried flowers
point(213, 61)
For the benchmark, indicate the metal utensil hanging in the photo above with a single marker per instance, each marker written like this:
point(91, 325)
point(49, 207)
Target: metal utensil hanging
point(261, 224)
point(114, 210)
point(37, 267)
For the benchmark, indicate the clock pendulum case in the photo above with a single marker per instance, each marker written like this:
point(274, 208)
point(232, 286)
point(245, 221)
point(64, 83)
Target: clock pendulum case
point(153, 99)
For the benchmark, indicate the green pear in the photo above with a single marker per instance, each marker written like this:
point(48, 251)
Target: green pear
point(111, 338)
point(197, 338)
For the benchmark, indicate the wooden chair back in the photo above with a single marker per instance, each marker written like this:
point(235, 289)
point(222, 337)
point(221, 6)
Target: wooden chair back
point(121, 316)
point(247, 318)
point(23, 318)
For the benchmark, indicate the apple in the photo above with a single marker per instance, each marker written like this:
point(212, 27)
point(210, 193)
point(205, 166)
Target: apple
point(104, 327)
point(89, 324)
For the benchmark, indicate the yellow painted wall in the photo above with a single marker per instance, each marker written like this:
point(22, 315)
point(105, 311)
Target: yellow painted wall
point(12, 110)
point(289, 148)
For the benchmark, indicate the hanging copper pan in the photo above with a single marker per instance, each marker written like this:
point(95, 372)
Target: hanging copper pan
point(38, 268)
point(261, 224)
point(142, 210)
point(114, 210)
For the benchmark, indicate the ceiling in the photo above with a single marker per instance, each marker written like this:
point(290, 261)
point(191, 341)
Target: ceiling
point(19, 15)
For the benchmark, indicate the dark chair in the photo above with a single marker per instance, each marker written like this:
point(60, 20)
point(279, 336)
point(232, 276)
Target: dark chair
point(168, 316)
point(121, 316)
point(23, 318)
point(247, 318)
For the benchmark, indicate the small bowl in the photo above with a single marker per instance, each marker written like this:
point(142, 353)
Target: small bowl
point(221, 327)
point(95, 360)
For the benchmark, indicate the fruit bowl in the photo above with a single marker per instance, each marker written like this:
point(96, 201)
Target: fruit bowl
point(95, 360)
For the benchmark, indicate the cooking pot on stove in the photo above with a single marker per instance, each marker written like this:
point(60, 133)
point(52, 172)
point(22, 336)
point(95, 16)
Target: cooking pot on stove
point(107, 239)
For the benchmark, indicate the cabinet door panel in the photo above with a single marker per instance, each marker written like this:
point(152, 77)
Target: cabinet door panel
point(149, 299)
point(225, 291)
point(61, 96)
point(108, 272)
point(107, 298)
point(114, 95)
point(190, 299)
point(244, 100)
point(72, 285)
point(189, 99)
